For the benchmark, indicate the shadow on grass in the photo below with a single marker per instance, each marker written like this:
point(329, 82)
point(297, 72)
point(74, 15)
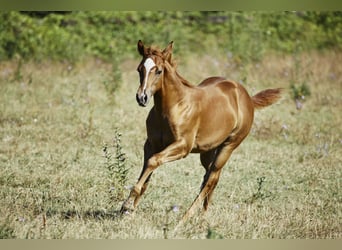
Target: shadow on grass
point(90, 214)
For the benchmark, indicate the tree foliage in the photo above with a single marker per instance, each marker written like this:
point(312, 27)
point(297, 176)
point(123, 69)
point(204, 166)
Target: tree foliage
point(245, 35)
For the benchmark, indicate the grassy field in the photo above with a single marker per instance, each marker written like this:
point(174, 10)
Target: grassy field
point(57, 181)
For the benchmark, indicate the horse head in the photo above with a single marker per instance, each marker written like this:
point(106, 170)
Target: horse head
point(151, 71)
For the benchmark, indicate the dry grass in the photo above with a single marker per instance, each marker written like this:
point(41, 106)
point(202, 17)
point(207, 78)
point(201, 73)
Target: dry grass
point(283, 182)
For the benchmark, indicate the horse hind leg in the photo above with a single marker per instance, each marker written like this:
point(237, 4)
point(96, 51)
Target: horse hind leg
point(219, 158)
point(208, 198)
point(211, 178)
point(207, 160)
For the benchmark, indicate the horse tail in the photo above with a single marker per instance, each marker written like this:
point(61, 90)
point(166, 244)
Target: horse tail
point(266, 97)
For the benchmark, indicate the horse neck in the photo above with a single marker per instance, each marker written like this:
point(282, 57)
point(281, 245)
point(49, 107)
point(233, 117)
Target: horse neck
point(174, 88)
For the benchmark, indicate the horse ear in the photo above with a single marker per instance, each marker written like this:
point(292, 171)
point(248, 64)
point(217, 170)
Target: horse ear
point(141, 48)
point(167, 52)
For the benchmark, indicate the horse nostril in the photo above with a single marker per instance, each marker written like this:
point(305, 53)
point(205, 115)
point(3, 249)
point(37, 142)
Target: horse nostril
point(145, 98)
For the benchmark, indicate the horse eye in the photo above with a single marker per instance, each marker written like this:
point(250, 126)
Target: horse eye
point(158, 72)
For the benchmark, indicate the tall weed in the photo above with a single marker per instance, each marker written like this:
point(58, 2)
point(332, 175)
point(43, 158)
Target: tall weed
point(115, 162)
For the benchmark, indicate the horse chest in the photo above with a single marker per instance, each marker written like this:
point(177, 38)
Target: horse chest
point(159, 131)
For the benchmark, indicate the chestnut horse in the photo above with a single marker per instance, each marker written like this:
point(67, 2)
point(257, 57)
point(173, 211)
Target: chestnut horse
point(211, 119)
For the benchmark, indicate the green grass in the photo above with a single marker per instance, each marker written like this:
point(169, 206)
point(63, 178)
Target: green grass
point(284, 181)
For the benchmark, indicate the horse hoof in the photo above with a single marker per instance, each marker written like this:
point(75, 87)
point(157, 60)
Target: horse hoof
point(127, 207)
point(125, 211)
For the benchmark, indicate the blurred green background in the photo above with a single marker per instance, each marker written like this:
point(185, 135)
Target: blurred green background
point(248, 35)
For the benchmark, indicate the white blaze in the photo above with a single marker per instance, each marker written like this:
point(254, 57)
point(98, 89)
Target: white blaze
point(148, 64)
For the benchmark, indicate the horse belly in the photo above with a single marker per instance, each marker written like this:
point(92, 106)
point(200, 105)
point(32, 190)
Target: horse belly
point(213, 131)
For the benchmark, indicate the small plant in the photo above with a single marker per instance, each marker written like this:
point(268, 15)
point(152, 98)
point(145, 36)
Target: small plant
point(6, 232)
point(116, 167)
point(259, 194)
point(211, 234)
point(173, 208)
point(299, 89)
point(299, 93)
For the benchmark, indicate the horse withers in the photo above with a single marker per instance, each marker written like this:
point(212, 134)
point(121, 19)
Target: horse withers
point(211, 119)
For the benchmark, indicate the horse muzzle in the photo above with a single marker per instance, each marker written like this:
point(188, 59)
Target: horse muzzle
point(142, 99)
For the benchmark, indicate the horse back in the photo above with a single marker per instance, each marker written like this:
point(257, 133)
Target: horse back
point(211, 80)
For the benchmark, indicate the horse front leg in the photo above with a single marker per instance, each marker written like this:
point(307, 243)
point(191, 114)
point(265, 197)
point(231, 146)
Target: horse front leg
point(132, 201)
point(174, 151)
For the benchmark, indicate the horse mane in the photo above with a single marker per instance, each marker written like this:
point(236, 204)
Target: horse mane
point(184, 81)
point(154, 50)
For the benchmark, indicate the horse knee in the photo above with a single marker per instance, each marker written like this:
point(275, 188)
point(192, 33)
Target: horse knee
point(153, 163)
point(136, 191)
